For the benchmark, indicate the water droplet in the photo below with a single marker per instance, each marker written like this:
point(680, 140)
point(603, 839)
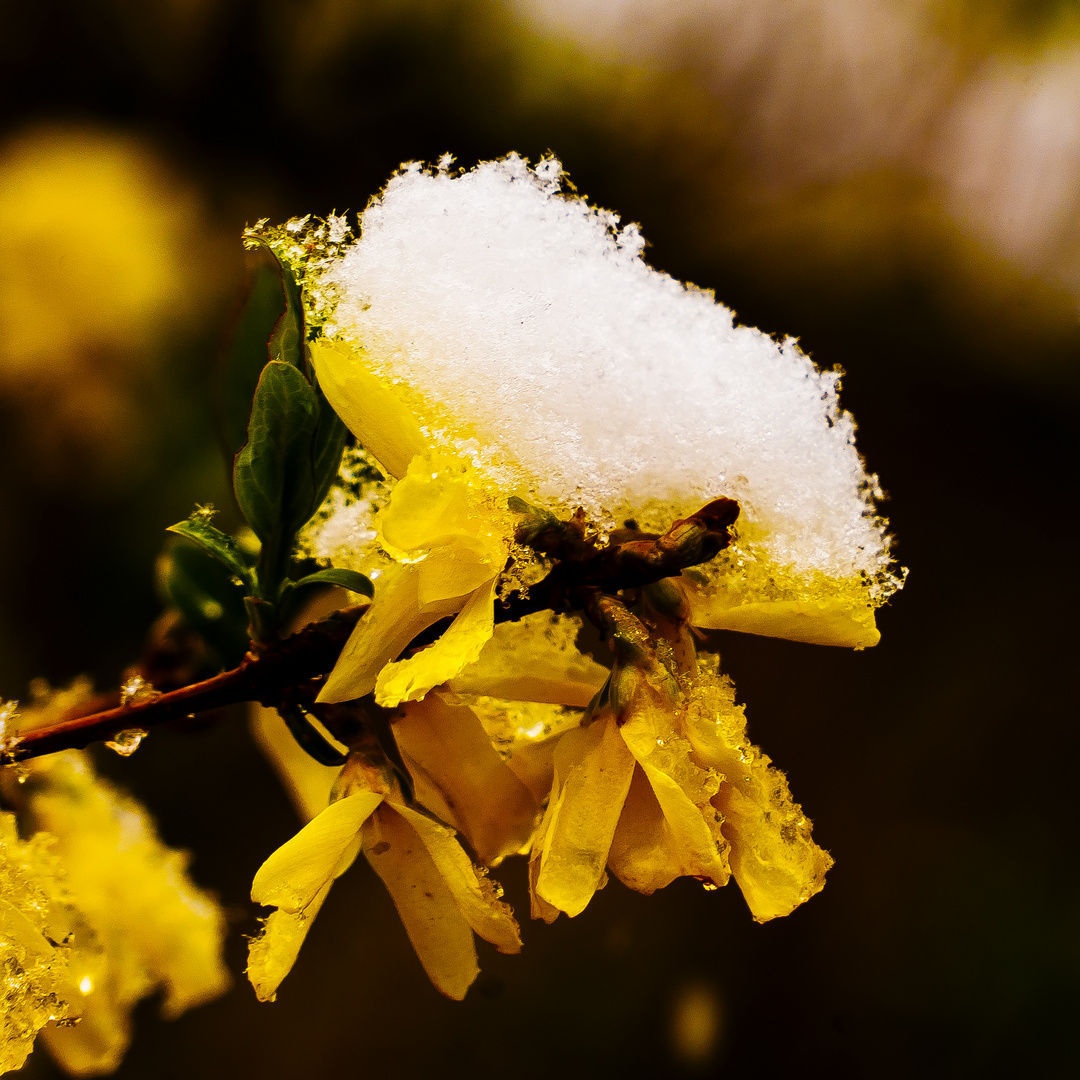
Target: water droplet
point(127, 741)
point(137, 690)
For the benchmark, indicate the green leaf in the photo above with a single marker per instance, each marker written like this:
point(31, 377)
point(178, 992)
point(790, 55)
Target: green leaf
point(272, 474)
point(222, 546)
point(248, 350)
point(346, 579)
point(211, 603)
point(287, 340)
point(309, 737)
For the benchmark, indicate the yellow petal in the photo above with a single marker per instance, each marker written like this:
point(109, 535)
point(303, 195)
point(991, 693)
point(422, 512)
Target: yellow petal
point(146, 924)
point(460, 644)
point(773, 856)
point(817, 622)
point(459, 776)
point(294, 874)
point(598, 768)
point(369, 407)
point(477, 897)
point(642, 856)
point(526, 733)
point(96, 1045)
point(272, 954)
point(391, 622)
point(456, 569)
point(534, 659)
point(539, 908)
point(429, 912)
point(432, 505)
point(682, 791)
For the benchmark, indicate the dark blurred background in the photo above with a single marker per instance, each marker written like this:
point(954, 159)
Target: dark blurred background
point(895, 184)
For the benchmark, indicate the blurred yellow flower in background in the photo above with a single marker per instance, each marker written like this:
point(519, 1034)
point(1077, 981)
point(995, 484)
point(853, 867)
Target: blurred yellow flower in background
point(102, 257)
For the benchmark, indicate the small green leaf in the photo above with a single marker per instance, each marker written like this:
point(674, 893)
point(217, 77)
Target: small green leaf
point(272, 474)
point(346, 579)
point(287, 340)
point(222, 546)
point(309, 738)
point(204, 592)
point(248, 350)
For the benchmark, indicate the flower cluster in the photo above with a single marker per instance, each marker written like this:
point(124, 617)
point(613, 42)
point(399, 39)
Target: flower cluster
point(96, 913)
point(533, 435)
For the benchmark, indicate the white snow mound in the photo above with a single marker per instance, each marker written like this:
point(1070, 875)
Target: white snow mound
point(527, 318)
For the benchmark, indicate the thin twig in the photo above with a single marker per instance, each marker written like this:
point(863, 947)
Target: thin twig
point(272, 674)
point(263, 676)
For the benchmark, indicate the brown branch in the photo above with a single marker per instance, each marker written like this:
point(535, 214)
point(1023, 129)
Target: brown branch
point(275, 674)
point(264, 676)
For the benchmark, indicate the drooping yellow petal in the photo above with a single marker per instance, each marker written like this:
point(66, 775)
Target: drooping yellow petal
point(824, 622)
point(477, 897)
point(460, 644)
point(456, 569)
point(459, 776)
point(272, 954)
point(526, 733)
point(682, 791)
point(539, 908)
point(773, 856)
point(370, 409)
point(392, 621)
point(746, 589)
point(595, 767)
point(439, 933)
point(641, 854)
point(534, 659)
point(295, 873)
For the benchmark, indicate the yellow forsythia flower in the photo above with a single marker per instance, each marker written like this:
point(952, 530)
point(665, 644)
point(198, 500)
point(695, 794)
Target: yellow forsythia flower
point(442, 898)
point(494, 343)
point(147, 926)
point(36, 918)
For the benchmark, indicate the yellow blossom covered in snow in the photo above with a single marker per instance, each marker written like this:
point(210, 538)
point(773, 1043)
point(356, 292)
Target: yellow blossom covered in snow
point(118, 916)
point(35, 919)
point(151, 926)
point(547, 413)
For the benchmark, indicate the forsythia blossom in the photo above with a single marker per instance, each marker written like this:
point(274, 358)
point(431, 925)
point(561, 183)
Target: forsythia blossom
point(96, 913)
point(502, 352)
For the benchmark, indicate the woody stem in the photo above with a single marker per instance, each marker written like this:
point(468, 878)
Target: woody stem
point(265, 675)
point(280, 672)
